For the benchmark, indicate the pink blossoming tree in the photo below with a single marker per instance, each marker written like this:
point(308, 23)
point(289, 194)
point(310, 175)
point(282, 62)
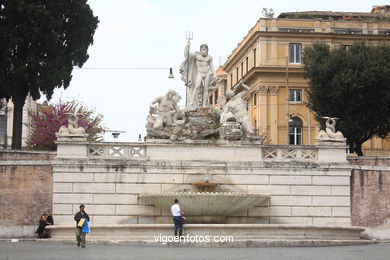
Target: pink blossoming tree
point(50, 118)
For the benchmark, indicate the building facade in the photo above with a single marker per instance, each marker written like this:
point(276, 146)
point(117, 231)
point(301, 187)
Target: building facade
point(269, 61)
point(7, 120)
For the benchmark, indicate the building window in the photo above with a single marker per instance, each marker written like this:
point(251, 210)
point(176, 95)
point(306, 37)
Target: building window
point(242, 69)
point(296, 95)
point(246, 64)
point(254, 99)
point(255, 126)
point(237, 74)
point(216, 97)
point(346, 47)
point(295, 131)
point(211, 100)
point(254, 57)
point(295, 53)
point(2, 127)
point(247, 105)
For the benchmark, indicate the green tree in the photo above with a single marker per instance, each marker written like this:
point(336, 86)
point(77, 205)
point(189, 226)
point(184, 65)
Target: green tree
point(41, 41)
point(352, 84)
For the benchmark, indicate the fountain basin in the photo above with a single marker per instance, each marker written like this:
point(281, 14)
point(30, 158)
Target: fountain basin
point(206, 203)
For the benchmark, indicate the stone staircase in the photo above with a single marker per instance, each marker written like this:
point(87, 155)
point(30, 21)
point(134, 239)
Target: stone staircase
point(219, 235)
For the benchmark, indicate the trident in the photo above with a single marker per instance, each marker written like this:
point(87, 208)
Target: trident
point(189, 37)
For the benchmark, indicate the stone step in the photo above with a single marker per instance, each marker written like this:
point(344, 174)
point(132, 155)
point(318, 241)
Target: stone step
point(244, 235)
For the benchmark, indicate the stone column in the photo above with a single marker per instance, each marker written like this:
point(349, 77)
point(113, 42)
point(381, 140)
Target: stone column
point(262, 108)
point(273, 91)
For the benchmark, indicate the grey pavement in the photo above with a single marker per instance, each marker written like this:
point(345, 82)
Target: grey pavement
point(55, 250)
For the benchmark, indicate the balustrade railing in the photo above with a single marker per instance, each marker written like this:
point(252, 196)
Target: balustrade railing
point(289, 153)
point(116, 150)
point(138, 150)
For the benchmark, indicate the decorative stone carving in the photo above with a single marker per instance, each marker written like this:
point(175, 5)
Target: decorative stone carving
point(168, 122)
point(198, 74)
point(330, 135)
point(234, 116)
point(263, 90)
point(165, 112)
point(273, 90)
point(72, 130)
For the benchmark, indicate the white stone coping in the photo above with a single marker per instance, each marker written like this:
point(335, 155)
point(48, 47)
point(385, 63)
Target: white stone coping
point(25, 162)
point(27, 151)
point(370, 168)
point(354, 157)
point(117, 143)
point(140, 162)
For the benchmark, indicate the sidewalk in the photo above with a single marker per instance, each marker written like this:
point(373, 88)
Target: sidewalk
point(34, 250)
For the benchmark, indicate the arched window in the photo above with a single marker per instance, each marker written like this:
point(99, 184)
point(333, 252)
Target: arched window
point(295, 131)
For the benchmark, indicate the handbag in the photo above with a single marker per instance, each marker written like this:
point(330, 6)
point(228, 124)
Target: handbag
point(85, 227)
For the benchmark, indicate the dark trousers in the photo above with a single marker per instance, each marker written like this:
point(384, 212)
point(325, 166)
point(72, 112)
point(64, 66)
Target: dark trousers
point(80, 236)
point(177, 220)
point(41, 230)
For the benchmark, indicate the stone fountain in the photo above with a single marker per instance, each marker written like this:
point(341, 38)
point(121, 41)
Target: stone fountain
point(200, 121)
point(129, 187)
point(205, 205)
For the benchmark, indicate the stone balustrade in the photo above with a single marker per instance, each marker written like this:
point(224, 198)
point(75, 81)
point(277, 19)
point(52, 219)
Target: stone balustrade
point(280, 152)
point(200, 150)
point(116, 150)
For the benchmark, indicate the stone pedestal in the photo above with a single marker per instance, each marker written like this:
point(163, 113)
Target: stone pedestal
point(72, 146)
point(331, 150)
point(203, 150)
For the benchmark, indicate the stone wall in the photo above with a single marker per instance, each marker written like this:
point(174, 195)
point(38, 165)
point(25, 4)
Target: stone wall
point(370, 191)
point(26, 191)
point(309, 190)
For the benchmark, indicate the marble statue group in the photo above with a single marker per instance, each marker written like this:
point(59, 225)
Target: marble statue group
point(200, 120)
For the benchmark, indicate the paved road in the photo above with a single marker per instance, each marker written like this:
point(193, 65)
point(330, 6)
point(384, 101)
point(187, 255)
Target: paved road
point(30, 250)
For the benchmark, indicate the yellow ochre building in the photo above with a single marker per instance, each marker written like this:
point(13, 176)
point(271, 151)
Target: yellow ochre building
point(269, 61)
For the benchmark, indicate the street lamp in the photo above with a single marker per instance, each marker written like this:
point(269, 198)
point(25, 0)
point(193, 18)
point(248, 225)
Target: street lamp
point(170, 76)
point(115, 133)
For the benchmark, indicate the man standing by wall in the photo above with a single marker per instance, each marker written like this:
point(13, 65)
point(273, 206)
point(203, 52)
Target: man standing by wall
point(80, 218)
point(177, 219)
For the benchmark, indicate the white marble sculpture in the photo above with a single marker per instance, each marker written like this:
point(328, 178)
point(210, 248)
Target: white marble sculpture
point(198, 74)
point(164, 113)
point(330, 133)
point(235, 109)
point(73, 128)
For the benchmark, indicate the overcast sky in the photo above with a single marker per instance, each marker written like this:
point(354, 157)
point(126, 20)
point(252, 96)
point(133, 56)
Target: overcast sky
point(152, 34)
